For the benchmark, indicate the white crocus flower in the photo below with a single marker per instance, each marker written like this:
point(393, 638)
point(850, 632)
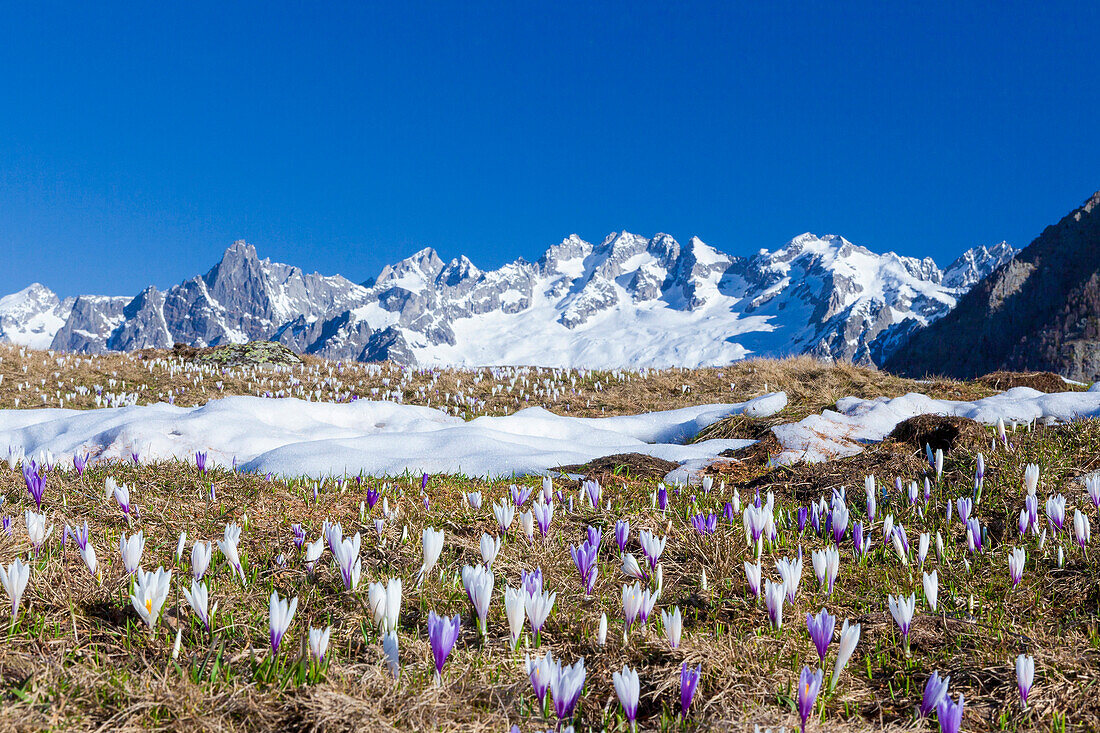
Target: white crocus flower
point(433, 545)
point(280, 614)
point(627, 687)
point(228, 546)
point(318, 643)
point(150, 594)
point(131, 549)
point(514, 609)
point(313, 552)
point(36, 528)
point(849, 638)
point(199, 600)
point(490, 548)
point(632, 569)
point(14, 578)
point(87, 552)
point(931, 589)
point(180, 546)
point(389, 647)
point(673, 625)
point(1031, 477)
point(538, 607)
point(200, 559)
point(385, 604)
point(349, 562)
point(505, 513)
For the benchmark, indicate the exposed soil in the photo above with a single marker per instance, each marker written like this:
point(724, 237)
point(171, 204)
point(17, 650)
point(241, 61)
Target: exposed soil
point(1042, 381)
point(944, 432)
point(635, 465)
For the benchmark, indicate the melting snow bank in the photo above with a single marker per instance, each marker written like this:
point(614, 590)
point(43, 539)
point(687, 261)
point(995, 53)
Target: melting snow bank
point(291, 437)
point(859, 422)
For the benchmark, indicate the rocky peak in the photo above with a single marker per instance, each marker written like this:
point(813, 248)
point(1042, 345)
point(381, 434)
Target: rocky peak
point(975, 263)
point(457, 271)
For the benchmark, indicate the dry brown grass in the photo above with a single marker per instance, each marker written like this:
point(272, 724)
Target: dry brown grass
point(79, 660)
point(810, 385)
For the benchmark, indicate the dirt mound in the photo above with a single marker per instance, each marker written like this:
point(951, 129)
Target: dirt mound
point(735, 427)
point(940, 431)
point(634, 465)
point(1042, 381)
point(802, 482)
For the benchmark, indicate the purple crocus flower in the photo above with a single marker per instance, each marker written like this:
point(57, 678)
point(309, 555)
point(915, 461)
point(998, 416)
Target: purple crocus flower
point(299, 535)
point(821, 631)
point(857, 539)
point(935, 690)
point(950, 715)
point(134, 457)
point(80, 461)
point(594, 491)
point(899, 531)
point(689, 680)
point(815, 518)
point(541, 673)
point(1031, 503)
point(964, 505)
point(803, 514)
point(200, 461)
point(566, 688)
point(7, 525)
point(584, 557)
point(973, 535)
point(729, 513)
point(424, 482)
point(520, 495)
point(36, 483)
point(531, 581)
point(595, 537)
point(838, 520)
point(809, 685)
point(662, 497)
point(927, 490)
point(544, 513)
point(372, 497)
point(705, 523)
point(80, 534)
point(622, 533)
point(442, 633)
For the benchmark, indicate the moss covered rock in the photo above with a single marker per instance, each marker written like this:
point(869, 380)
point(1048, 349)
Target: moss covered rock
point(254, 353)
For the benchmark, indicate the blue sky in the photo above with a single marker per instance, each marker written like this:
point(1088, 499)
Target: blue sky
point(138, 140)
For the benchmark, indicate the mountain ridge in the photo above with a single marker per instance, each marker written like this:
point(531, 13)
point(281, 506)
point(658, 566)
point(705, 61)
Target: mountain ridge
point(1039, 311)
point(625, 301)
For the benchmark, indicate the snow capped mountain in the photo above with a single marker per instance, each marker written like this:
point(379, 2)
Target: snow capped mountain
point(627, 301)
point(32, 316)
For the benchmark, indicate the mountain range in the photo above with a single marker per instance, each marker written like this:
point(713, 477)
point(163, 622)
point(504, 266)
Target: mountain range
point(627, 301)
